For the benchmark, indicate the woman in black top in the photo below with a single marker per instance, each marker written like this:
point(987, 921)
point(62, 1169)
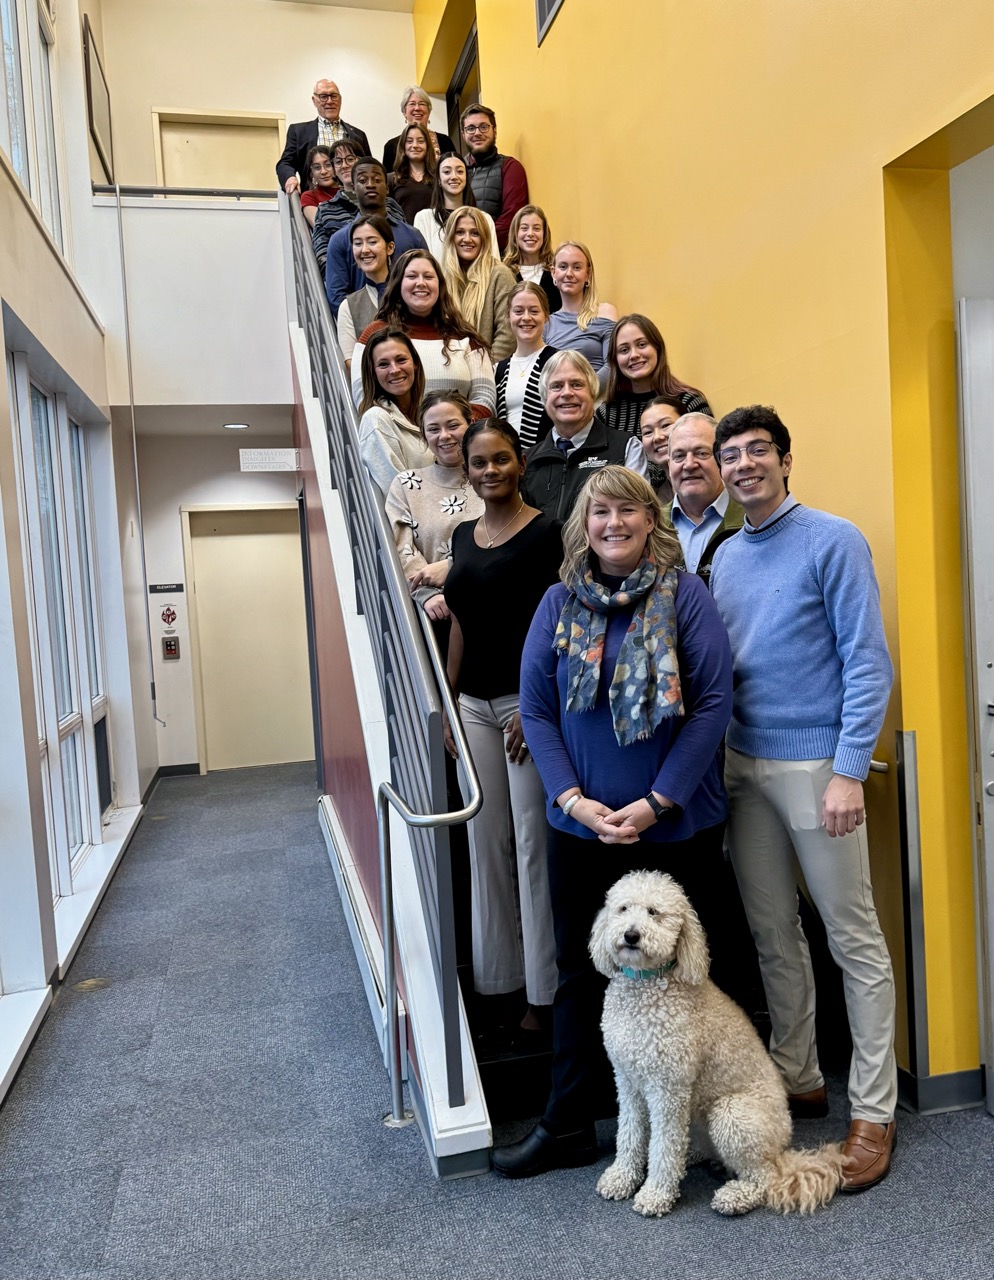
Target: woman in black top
point(413, 175)
point(638, 370)
point(502, 565)
point(529, 252)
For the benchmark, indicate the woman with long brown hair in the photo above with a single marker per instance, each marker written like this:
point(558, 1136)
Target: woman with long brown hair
point(412, 177)
point(455, 357)
point(638, 370)
point(393, 384)
point(452, 190)
point(529, 251)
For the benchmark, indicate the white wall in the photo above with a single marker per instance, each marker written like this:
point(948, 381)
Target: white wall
point(249, 55)
point(180, 471)
point(206, 302)
point(971, 203)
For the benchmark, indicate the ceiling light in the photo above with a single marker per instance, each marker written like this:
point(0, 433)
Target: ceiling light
point(236, 426)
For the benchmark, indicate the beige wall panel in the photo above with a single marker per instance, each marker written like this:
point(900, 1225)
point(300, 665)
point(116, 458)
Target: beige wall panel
point(252, 636)
point(249, 55)
point(218, 155)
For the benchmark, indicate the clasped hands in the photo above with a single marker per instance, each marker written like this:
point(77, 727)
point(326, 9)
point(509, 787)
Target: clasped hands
point(612, 826)
point(432, 575)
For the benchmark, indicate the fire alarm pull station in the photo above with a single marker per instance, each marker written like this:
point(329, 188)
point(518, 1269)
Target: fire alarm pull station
point(170, 648)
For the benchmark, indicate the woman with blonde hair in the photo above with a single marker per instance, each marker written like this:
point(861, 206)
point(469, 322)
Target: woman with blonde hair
point(529, 251)
point(626, 692)
point(480, 286)
point(452, 190)
point(583, 323)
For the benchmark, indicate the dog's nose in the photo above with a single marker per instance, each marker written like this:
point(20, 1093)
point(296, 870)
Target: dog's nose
point(632, 937)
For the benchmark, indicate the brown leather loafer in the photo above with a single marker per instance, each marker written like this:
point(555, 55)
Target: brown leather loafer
point(866, 1154)
point(809, 1106)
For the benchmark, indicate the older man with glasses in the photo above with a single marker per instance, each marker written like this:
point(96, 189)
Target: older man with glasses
point(328, 128)
point(812, 678)
point(702, 512)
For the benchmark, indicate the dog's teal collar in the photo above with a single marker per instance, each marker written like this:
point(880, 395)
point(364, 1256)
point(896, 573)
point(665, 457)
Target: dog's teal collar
point(643, 975)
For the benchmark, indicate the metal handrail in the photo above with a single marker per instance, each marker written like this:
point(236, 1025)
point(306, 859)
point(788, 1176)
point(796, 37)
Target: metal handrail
point(227, 193)
point(370, 524)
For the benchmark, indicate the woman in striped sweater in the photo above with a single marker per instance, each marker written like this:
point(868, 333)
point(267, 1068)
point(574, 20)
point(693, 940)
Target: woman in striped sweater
point(518, 398)
point(455, 357)
point(637, 371)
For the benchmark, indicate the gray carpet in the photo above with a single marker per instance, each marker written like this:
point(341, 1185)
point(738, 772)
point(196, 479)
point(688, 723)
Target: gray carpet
point(211, 1107)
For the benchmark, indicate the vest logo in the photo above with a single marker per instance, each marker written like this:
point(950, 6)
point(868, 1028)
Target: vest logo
point(587, 463)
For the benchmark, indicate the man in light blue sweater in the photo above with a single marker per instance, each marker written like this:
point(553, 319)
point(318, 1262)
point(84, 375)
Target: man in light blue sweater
point(812, 676)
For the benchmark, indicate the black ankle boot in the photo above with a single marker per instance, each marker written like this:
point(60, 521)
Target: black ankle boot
point(542, 1151)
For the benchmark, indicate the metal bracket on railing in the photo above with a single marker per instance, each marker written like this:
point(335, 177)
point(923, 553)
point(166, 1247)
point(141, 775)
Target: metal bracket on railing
point(385, 795)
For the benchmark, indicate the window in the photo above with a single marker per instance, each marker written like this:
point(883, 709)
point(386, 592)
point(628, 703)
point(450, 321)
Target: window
point(57, 514)
point(28, 123)
point(545, 15)
point(13, 131)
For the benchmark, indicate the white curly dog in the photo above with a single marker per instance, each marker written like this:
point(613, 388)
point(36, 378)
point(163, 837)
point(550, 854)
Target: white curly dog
point(684, 1053)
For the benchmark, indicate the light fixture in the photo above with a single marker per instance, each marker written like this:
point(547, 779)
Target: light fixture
point(236, 426)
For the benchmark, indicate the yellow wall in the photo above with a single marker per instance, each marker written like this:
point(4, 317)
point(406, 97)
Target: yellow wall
point(725, 163)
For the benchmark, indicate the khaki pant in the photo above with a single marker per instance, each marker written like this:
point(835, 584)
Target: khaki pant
point(775, 816)
point(508, 863)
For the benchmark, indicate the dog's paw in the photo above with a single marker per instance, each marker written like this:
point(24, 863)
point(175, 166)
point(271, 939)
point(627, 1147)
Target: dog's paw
point(653, 1202)
point(736, 1197)
point(618, 1183)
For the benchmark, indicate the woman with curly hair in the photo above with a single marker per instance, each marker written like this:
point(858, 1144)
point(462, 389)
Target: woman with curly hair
point(455, 357)
point(479, 285)
point(529, 251)
point(626, 692)
point(638, 370)
point(412, 177)
point(425, 504)
point(452, 190)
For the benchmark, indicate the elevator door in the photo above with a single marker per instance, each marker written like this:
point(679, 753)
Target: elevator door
point(251, 633)
point(975, 338)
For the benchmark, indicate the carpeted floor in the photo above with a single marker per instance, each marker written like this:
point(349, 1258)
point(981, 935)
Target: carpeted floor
point(205, 1100)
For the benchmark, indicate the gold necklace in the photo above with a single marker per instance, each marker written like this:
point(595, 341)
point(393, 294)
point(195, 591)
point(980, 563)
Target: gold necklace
point(506, 524)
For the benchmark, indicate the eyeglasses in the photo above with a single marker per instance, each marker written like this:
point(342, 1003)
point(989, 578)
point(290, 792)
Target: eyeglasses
point(477, 128)
point(701, 454)
point(754, 449)
point(327, 97)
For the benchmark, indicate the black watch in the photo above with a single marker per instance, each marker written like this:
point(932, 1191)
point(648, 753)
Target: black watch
point(660, 810)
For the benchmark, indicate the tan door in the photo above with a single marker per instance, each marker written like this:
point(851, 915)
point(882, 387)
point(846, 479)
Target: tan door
point(252, 637)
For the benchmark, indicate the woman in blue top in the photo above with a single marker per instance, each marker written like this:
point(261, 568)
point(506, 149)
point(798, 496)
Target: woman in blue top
point(626, 691)
point(583, 323)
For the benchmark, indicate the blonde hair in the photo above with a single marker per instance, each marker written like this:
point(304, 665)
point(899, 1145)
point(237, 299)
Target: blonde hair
point(620, 483)
point(589, 307)
point(512, 254)
point(468, 287)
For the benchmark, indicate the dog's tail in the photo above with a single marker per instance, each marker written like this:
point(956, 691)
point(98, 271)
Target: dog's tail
point(803, 1181)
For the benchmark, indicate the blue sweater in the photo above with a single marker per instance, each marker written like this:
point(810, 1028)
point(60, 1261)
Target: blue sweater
point(580, 749)
point(343, 275)
point(812, 671)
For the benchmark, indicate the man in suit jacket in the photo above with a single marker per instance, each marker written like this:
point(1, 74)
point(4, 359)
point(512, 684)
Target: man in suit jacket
point(329, 127)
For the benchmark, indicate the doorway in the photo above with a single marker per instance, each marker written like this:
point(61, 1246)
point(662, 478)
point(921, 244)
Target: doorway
point(248, 636)
point(464, 87)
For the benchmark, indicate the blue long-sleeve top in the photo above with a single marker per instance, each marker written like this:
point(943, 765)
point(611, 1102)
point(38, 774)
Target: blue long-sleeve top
point(579, 749)
point(343, 275)
point(812, 673)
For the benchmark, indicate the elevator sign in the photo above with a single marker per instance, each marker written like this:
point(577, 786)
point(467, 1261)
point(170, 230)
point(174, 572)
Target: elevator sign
point(269, 459)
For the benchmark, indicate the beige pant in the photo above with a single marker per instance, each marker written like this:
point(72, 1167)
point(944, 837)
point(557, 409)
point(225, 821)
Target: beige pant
point(513, 940)
point(775, 816)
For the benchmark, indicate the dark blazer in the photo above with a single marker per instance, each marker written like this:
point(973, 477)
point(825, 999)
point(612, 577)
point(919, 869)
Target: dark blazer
point(299, 140)
point(552, 482)
point(445, 145)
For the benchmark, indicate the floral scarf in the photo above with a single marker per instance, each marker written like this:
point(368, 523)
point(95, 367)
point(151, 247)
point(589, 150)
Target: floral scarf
point(645, 687)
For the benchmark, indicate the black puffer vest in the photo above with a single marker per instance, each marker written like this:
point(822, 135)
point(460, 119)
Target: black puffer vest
point(488, 184)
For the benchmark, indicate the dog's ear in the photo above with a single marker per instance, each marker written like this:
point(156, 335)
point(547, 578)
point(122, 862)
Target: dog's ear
point(691, 950)
point(601, 951)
